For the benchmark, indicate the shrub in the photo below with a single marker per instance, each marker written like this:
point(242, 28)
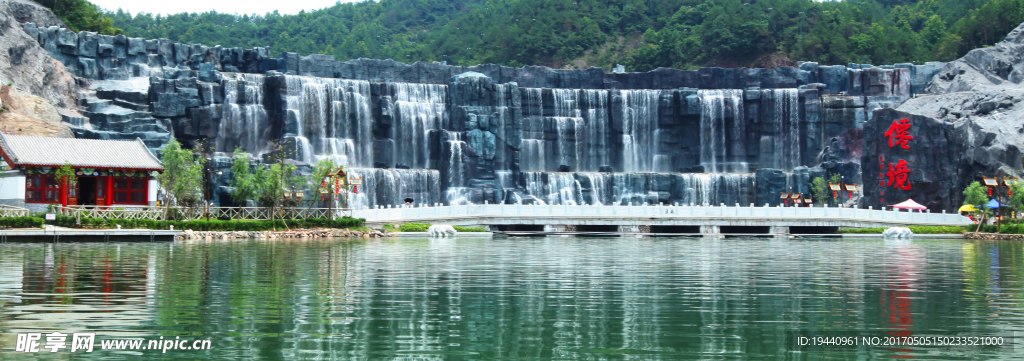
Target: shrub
point(21, 222)
point(470, 229)
point(414, 227)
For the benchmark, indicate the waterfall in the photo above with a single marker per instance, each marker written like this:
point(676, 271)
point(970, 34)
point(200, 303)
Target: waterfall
point(333, 119)
point(532, 153)
point(391, 186)
point(569, 141)
point(505, 179)
point(244, 122)
point(715, 189)
point(456, 162)
point(553, 188)
point(784, 143)
point(419, 109)
point(713, 130)
point(580, 120)
point(639, 123)
point(638, 188)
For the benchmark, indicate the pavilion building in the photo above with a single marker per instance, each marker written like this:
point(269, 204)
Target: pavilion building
point(109, 172)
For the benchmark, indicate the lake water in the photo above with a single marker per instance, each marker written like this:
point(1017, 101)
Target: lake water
point(517, 298)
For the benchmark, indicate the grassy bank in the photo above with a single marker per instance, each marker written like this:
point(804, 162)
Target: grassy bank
point(423, 227)
point(915, 229)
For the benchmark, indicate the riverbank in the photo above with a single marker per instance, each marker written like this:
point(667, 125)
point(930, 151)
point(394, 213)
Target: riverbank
point(292, 233)
point(994, 236)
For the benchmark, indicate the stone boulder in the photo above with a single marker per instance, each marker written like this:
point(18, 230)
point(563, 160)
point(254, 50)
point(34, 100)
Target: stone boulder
point(984, 69)
point(932, 162)
point(27, 65)
point(898, 233)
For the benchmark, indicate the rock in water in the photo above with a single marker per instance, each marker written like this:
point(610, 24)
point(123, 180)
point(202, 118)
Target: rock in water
point(442, 231)
point(898, 233)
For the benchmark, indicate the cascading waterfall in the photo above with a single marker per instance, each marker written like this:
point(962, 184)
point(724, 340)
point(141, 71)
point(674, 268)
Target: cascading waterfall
point(785, 142)
point(553, 188)
point(713, 130)
point(532, 154)
point(638, 188)
point(580, 119)
point(419, 109)
point(333, 119)
point(383, 187)
point(715, 189)
point(457, 191)
point(244, 122)
point(639, 124)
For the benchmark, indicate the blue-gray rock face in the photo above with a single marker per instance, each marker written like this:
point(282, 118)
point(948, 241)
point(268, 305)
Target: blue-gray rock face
point(490, 133)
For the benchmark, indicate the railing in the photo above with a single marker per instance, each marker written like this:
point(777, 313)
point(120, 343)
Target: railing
point(12, 211)
point(661, 212)
point(242, 213)
point(127, 212)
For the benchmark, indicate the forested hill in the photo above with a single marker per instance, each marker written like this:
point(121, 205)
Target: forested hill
point(642, 34)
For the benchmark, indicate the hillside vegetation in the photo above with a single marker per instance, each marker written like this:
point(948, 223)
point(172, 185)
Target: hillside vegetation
point(642, 34)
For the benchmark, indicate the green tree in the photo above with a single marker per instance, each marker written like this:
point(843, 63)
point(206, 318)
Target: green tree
point(836, 178)
point(976, 196)
point(243, 181)
point(182, 178)
point(81, 15)
point(1017, 198)
point(819, 190)
point(66, 178)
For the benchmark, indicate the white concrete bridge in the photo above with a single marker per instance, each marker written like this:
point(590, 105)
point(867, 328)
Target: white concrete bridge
point(660, 219)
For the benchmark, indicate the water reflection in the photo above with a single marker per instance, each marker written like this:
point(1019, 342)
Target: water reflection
point(548, 298)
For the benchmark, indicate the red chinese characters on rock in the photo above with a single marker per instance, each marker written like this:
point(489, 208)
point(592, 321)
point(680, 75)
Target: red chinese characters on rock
point(899, 176)
point(899, 134)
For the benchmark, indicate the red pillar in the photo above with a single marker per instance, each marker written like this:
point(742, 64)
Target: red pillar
point(64, 193)
point(110, 190)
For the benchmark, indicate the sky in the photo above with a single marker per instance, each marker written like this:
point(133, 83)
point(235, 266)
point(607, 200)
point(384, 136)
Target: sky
point(260, 7)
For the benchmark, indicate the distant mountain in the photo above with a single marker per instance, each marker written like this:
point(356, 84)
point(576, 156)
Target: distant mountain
point(642, 34)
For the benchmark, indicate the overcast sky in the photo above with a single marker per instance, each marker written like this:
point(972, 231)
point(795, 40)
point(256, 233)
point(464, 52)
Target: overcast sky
point(222, 6)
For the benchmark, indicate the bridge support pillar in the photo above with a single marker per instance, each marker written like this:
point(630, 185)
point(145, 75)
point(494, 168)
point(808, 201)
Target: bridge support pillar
point(633, 229)
point(711, 231)
point(779, 231)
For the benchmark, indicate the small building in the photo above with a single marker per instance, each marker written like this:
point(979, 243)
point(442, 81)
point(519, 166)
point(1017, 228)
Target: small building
point(109, 172)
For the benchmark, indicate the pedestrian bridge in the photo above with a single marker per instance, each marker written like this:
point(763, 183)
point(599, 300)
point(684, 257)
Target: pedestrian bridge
point(651, 219)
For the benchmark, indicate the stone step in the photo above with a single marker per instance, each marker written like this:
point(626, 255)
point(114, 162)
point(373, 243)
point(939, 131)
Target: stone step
point(133, 106)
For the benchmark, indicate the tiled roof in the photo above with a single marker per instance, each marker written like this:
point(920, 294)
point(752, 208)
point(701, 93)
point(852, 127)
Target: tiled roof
point(90, 153)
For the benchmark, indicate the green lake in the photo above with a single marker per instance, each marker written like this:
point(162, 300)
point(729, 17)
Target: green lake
point(561, 298)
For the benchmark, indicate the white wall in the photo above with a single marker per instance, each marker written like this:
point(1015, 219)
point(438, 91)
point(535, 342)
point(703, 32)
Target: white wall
point(12, 185)
point(153, 187)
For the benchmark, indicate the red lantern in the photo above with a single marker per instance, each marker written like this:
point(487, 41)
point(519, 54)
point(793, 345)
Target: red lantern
point(355, 189)
point(989, 191)
point(851, 194)
point(834, 194)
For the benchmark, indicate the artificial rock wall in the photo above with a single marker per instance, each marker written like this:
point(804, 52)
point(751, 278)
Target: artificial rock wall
point(488, 132)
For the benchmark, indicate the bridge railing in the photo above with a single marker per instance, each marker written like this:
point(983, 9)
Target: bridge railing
point(660, 211)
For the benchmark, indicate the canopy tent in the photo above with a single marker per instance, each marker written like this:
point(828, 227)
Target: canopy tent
point(968, 208)
point(994, 204)
point(909, 204)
